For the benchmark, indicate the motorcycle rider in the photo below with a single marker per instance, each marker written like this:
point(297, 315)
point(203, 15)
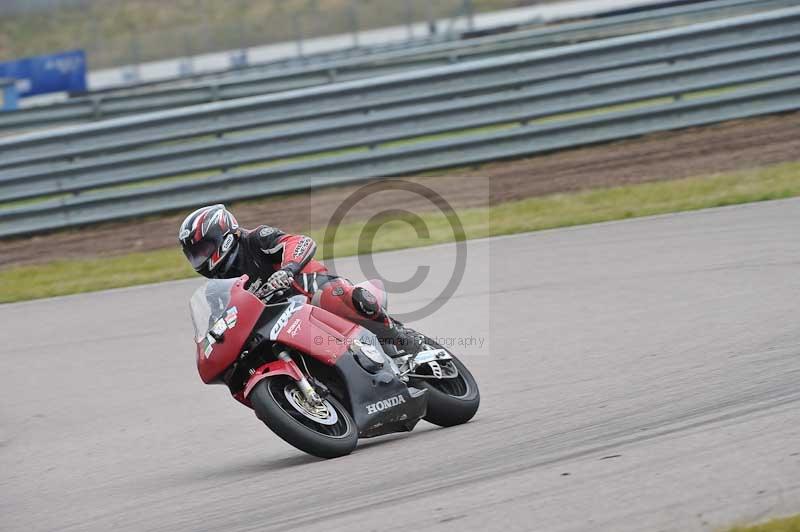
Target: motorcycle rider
point(217, 248)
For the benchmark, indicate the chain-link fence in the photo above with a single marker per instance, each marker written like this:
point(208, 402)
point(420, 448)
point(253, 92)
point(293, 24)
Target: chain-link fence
point(118, 32)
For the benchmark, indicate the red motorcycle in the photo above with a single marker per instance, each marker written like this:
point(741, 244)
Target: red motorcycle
point(316, 379)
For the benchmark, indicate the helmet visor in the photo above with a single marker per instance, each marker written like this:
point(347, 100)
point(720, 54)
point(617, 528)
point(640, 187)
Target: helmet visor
point(199, 253)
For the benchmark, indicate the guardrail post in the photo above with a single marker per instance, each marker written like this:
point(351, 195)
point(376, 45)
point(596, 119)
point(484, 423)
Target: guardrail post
point(213, 90)
point(432, 29)
point(185, 66)
point(410, 20)
point(298, 32)
point(470, 14)
point(354, 21)
point(97, 110)
point(238, 59)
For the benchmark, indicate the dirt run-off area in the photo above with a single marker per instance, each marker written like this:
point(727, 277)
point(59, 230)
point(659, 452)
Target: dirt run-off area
point(729, 146)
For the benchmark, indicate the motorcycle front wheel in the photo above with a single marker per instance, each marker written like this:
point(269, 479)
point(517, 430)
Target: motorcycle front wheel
point(452, 401)
point(326, 431)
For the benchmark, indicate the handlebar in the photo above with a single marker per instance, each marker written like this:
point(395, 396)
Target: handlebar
point(269, 296)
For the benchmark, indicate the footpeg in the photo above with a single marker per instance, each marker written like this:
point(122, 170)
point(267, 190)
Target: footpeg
point(431, 355)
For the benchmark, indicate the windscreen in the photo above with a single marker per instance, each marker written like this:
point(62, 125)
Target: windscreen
point(208, 303)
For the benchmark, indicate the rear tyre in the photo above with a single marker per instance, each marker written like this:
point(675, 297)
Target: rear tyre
point(451, 401)
point(326, 432)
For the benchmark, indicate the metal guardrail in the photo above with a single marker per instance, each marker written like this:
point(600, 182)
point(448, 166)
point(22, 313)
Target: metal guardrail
point(408, 119)
point(237, 85)
point(751, 65)
point(363, 97)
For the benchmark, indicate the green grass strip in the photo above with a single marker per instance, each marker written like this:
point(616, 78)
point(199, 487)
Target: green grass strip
point(559, 210)
point(785, 524)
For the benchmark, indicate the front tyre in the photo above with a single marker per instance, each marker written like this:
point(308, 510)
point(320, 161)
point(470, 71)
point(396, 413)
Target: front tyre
point(451, 401)
point(327, 432)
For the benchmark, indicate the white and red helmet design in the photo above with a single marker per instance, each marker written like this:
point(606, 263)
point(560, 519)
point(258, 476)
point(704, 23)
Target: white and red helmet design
point(207, 236)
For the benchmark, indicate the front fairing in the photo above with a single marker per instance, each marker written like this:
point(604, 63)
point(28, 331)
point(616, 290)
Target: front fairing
point(223, 314)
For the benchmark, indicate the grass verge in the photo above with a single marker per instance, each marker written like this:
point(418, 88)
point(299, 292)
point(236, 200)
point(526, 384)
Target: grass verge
point(785, 524)
point(559, 210)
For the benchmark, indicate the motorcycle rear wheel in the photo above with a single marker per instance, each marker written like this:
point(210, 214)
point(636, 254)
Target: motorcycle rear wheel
point(278, 403)
point(450, 401)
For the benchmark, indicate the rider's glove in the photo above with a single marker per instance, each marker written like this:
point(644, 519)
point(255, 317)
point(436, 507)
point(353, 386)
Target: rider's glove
point(279, 280)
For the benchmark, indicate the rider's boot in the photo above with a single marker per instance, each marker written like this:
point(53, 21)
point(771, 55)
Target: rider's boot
point(399, 340)
point(396, 339)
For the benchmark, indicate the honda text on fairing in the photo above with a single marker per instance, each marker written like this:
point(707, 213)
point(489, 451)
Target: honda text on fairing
point(318, 380)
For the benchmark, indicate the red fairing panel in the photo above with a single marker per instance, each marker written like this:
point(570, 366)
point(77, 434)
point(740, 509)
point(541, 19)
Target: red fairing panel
point(318, 333)
point(223, 354)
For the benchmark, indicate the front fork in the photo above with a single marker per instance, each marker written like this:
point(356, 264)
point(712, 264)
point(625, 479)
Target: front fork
point(284, 366)
point(308, 391)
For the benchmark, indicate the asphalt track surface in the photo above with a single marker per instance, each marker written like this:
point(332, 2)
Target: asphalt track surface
point(640, 375)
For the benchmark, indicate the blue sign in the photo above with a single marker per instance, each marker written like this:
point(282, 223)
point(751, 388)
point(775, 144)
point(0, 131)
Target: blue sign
point(62, 72)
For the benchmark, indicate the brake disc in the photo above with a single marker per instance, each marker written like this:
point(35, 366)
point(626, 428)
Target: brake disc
point(324, 414)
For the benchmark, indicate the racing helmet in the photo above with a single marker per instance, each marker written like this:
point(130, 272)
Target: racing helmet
point(209, 238)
